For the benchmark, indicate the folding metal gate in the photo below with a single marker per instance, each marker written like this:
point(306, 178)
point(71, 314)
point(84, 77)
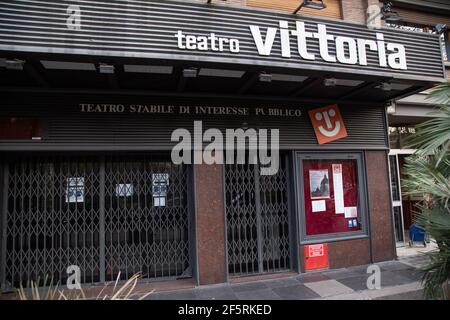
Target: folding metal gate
point(106, 215)
point(257, 216)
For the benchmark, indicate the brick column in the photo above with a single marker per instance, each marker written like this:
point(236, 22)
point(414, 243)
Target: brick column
point(380, 206)
point(210, 217)
point(354, 10)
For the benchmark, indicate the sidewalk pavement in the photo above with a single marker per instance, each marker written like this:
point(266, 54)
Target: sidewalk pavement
point(398, 281)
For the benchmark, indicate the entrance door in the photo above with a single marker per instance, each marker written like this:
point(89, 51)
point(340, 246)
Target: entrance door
point(104, 214)
point(257, 216)
point(396, 199)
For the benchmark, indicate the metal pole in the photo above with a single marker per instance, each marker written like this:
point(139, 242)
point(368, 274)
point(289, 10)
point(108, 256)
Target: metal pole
point(4, 202)
point(102, 220)
point(259, 234)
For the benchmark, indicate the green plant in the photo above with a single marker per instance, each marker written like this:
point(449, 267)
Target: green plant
point(428, 175)
point(124, 291)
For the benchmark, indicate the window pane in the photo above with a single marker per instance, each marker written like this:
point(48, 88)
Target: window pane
point(394, 179)
point(331, 196)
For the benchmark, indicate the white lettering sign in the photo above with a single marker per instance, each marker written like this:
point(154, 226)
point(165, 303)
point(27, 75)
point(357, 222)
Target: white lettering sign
point(349, 50)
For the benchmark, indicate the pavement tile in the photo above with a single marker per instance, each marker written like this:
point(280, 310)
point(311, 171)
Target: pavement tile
point(393, 290)
point(412, 295)
point(359, 269)
point(410, 273)
point(328, 288)
point(216, 293)
point(357, 283)
point(174, 295)
point(348, 296)
point(248, 286)
point(342, 273)
point(296, 292)
point(393, 265)
point(389, 278)
point(285, 282)
point(312, 277)
point(261, 294)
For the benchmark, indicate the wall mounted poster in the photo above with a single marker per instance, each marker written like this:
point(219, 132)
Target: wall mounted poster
point(338, 188)
point(319, 184)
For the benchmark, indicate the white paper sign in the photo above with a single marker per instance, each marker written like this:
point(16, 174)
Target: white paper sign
point(351, 212)
point(338, 187)
point(160, 184)
point(318, 206)
point(75, 190)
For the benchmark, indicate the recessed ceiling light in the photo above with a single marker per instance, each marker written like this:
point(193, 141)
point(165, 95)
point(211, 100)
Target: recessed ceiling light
point(400, 86)
point(106, 68)
point(14, 64)
point(148, 69)
point(265, 77)
point(190, 73)
point(385, 86)
point(221, 73)
point(388, 86)
point(288, 77)
point(348, 83)
point(329, 82)
point(64, 65)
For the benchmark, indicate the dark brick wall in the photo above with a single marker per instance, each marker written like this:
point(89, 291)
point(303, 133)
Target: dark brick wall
point(348, 253)
point(210, 224)
point(380, 206)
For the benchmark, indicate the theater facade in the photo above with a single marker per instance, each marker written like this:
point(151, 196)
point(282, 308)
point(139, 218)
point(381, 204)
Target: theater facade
point(92, 91)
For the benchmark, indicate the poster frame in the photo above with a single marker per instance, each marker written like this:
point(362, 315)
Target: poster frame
point(362, 196)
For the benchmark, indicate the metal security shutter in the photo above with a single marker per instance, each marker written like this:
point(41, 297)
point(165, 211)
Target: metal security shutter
point(104, 214)
point(141, 235)
point(333, 9)
point(44, 233)
point(257, 217)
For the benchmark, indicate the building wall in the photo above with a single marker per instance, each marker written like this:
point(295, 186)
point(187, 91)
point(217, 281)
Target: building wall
point(210, 220)
point(333, 9)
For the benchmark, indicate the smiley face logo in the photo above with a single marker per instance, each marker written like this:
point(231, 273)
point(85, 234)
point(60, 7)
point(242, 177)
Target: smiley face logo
point(328, 124)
